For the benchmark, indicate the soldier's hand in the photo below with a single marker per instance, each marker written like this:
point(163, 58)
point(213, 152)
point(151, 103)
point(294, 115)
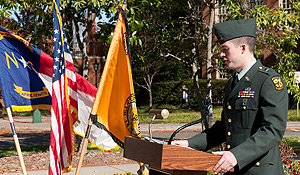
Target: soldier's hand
point(226, 163)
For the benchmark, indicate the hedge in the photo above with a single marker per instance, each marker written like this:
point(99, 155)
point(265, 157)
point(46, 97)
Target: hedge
point(171, 92)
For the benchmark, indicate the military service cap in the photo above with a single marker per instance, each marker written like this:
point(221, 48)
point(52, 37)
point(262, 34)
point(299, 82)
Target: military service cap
point(229, 30)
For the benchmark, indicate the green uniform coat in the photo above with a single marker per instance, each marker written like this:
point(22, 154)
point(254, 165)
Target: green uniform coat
point(253, 122)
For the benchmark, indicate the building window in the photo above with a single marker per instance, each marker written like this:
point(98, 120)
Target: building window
point(223, 75)
point(286, 5)
point(221, 8)
point(221, 11)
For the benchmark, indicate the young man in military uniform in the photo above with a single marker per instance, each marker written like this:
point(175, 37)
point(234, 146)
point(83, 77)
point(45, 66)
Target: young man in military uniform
point(255, 108)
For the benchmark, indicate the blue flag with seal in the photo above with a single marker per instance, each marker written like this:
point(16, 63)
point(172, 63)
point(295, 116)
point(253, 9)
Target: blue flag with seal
point(22, 88)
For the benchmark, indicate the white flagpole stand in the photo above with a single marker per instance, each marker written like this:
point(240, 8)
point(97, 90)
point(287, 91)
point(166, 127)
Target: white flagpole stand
point(84, 145)
point(16, 140)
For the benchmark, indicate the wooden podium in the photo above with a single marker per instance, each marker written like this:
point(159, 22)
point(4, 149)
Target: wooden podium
point(169, 159)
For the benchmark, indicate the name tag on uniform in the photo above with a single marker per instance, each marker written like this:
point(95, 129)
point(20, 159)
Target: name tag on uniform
point(246, 94)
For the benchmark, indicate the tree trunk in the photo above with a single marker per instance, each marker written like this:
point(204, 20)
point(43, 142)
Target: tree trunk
point(194, 64)
point(195, 70)
point(85, 58)
point(40, 44)
point(208, 63)
point(150, 98)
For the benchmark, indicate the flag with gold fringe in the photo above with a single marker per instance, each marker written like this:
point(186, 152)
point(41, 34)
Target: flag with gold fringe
point(20, 74)
point(64, 109)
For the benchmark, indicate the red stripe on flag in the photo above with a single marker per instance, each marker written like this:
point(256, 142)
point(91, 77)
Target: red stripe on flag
point(85, 86)
point(70, 66)
point(72, 84)
point(46, 64)
point(55, 127)
point(53, 151)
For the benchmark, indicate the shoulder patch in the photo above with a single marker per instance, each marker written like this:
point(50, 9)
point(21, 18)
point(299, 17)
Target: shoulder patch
point(277, 83)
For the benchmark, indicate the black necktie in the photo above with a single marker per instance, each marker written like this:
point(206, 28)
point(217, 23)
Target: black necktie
point(234, 81)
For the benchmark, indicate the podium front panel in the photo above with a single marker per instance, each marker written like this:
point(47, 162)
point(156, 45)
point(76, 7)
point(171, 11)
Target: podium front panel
point(143, 151)
point(169, 157)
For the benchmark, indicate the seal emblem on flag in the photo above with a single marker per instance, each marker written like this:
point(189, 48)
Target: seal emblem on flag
point(130, 116)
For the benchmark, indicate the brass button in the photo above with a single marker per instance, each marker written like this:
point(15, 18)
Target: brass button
point(259, 67)
point(229, 107)
point(257, 164)
point(228, 146)
point(244, 107)
point(229, 120)
point(229, 133)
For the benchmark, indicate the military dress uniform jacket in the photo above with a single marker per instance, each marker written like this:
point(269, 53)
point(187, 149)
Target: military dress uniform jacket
point(252, 124)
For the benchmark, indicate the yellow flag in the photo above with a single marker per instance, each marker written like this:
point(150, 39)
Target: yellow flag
point(115, 104)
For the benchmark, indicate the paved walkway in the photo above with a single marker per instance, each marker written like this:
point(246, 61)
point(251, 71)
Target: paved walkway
point(23, 124)
point(93, 170)
point(40, 131)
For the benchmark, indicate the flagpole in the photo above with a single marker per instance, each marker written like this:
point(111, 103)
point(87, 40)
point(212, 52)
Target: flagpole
point(84, 145)
point(16, 140)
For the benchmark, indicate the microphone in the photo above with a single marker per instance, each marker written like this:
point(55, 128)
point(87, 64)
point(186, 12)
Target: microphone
point(156, 114)
point(159, 113)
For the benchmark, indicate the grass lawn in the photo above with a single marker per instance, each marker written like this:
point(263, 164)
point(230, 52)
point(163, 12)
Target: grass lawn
point(176, 115)
point(187, 116)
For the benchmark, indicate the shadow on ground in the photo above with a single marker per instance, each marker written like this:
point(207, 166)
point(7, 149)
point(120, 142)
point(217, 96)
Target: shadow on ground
point(25, 138)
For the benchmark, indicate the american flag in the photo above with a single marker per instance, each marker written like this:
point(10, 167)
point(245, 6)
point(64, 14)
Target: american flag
point(64, 100)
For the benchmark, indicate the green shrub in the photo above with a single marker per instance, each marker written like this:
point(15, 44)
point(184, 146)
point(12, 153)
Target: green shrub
point(171, 92)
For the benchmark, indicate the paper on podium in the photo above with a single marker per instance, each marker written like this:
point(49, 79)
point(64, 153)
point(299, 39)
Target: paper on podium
point(156, 141)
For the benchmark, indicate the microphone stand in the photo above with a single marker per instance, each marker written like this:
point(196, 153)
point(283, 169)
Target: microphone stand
point(206, 112)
